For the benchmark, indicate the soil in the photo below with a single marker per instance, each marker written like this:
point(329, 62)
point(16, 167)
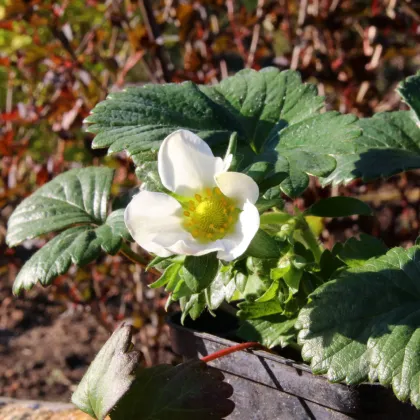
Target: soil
point(44, 351)
point(46, 347)
point(32, 410)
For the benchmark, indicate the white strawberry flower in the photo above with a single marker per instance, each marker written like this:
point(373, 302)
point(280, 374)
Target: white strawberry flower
point(210, 209)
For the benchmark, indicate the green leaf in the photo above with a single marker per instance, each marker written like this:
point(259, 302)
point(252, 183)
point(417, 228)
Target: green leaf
point(268, 110)
point(157, 261)
point(270, 331)
point(308, 284)
point(255, 284)
point(221, 289)
point(79, 196)
point(181, 290)
point(409, 89)
point(148, 173)
point(307, 148)
point(356, 252)
point(366, 324)
point(192, 305)
point(278, 272)
point(199, 272)
point(329, 263)
point(263, 246)
point(271, 292)
point(390, 144)
point(258, 170)
point(188, 391)
point(78, 245)
point(264, 101)
point(109, 376)
point(339, 207)
point(138, 119)
point(273, 192)
point(292, 278)
point(116, 228)
point(252, 310)
point(170, 275)
point(252, 287)
point(263, 204)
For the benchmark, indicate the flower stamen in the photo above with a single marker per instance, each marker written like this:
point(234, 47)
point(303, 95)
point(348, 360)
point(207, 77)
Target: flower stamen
point(211, 215)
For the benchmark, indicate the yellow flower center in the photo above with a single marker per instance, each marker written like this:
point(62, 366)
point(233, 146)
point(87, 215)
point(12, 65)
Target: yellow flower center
point(210, 216)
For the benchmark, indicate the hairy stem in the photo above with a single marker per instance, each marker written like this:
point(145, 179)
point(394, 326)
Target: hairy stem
point(137, 259)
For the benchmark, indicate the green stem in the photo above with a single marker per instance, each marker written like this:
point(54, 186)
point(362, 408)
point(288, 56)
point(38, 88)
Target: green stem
point(274, 218)
point(131, 255)
point(310, 239)
point(136, 258)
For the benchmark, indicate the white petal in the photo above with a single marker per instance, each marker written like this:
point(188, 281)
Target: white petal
point(239, 186)
point(186, 163)
point(189, 246)
point(154, 220)
point(247, 226)
point(152, 216)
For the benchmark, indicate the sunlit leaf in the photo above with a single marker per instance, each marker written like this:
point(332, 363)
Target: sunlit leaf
point(390, 144)
point(272, 112)
point(365, 324)
point(78, 245)
point(79, 196)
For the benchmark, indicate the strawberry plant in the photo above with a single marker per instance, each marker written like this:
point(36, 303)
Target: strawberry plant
point(216, 165)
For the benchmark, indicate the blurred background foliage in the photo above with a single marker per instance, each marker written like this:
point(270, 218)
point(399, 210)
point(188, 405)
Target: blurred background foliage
point(59, 58)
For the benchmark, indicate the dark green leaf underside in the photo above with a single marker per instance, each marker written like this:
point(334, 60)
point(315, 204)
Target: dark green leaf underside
point(185, 392)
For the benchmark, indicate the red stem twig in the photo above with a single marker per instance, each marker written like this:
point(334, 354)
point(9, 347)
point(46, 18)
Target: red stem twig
point(229, 350)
